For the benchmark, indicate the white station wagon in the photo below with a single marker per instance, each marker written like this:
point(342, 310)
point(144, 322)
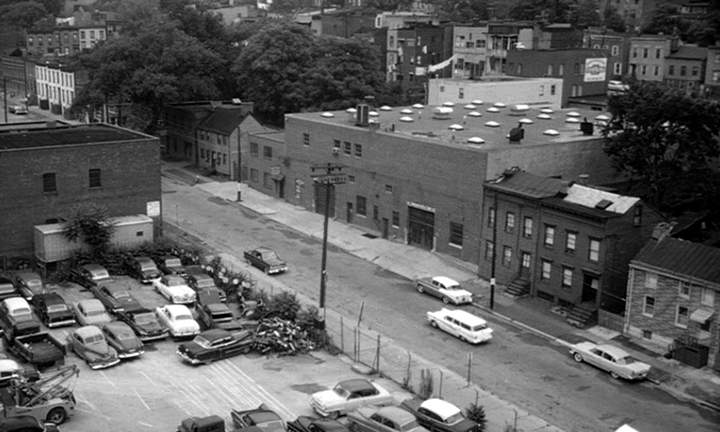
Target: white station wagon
point(463, 325)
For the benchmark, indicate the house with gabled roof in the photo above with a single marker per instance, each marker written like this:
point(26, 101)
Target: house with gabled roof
point(673, 297)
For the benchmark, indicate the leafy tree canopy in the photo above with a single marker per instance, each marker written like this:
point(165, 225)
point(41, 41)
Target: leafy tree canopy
point(90, 224)
point(663, 139)
point(462, 10)
point(586, 13)
point(552, 10)
point(612, 20)
point(22, 14)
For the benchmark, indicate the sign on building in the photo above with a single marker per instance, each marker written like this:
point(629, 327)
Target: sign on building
point(595, 69)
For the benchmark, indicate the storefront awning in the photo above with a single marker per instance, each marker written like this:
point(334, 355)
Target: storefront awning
point(701, 316)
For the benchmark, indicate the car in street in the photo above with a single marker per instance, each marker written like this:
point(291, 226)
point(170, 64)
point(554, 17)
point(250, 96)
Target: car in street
point(439, 415)
point(215, 344)
point(18, 109)
point(446, 289)
point(171, 264)
point(144, 322)
point(611, 359)
point(314, 424)
point(90, 312)
point(266, 260)
point(88, 275)
point(178, 320)
point(52, 310)
point(89, 343)
point(383, 419)
point(7, 288)
point(349, 395)
point(174, 289)
point(28, 283)
point(121, 337)
point(262, 417)
point(143, 269)
point(461, 324)
point(115, 297)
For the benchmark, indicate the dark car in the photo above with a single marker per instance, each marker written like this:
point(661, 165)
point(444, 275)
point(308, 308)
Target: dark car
point(262, 417)
point(88, 275)
point(210, 295)
point(314, 424)
point(121, 337)
point(438, 415)
point(198, 280)
point(53, 310)
point(215, 344)
point(212, 423)
point(28, 283)
point(144, 323)
point(25, 423)
point(115, 297)
point(143, 269)
point(266, 260)
point(219, 315)
point(171, 265)
point(7, 288)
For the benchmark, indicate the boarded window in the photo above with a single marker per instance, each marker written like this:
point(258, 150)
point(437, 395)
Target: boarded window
point(94, 177)
point(49, 184)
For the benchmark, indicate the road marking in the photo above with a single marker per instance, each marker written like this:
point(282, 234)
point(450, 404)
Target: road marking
point(289, 414)
point(248, 398)
point(154, 384)
point(141, 399)
point(107, 379)
point(86, 403)
point(146, 424)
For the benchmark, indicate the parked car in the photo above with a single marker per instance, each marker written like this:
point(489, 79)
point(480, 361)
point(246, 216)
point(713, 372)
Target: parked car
point(171, 265)
point(383, 419)
point(175, 289)
point(28, 283)
point(219, 315)
point(262, 417)
point(18, 109)
point(26, 423)
point(143, 269)
point(178, 320)
point(7, 288)
point(201, 281)
point(115, 297)
point(53, 310)
point(88, 275)
point(349, 395)
point(144, 323)
point(16, 317)
point(439, 415)
point(444, 288)
point(266, 260)
point(121, 337)
point(610, 359)
point(313, 424)
point(211, 423)
point(90, 345)
point(463, 325)
point(90, 312)
point(215, 344)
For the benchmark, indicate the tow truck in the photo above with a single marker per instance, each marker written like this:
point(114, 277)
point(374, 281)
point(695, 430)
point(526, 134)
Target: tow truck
point(49, 399)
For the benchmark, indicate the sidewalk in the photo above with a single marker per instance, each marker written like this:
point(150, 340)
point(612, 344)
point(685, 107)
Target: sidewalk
point(701, 386)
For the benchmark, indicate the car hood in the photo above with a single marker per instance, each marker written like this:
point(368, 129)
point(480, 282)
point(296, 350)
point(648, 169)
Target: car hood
point(191, 349)
point(96, 319)
point(129, 344)
point(274, 261)
point(327, 398)
point(150, 327)
point(99, 349)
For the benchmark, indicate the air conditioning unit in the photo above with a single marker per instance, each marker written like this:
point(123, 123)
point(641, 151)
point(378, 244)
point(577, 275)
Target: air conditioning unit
point(362, 115)
point(336, 151)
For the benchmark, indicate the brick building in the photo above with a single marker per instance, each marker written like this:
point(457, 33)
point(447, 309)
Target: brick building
point(535, 92)
point(262, 165)
point(674, 299)
point(617, 47)
point(46, 172)
point(647, 56)
point(635, 13)
point(711, 85)
point(469, 49)
point(57, 85)
point(19, 74)
point(501, 38)
point(685, 69)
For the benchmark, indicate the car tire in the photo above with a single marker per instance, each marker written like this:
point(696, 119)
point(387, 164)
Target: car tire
point(434, 323)
point(462, 338)
point(267, 270)
point(420, 289)
point(446, 300)
point(578, 357)
point(614, 375)
point(334, 415)
point(56, 416)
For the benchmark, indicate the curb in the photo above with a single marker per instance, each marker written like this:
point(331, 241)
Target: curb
point(522, 325)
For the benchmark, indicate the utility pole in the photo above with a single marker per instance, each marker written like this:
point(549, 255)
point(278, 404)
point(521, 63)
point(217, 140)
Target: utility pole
point(5, 107)
point(328, 176)
point(494, 251)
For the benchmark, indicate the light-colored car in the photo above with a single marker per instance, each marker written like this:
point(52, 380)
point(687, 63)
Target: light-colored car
point(439, 415)
point(175, 289)
point(121, 337)
point(383, 419)
point(90, 312)
point(461, 324)
point(349, 395)
point(444, 288)
point(611, 359)
point(178, 320)
point(89, 343)
point(28, 283)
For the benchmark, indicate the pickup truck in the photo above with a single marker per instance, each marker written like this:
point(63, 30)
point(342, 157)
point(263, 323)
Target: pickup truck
point(38, 348)
point(446, 289)
point(219, 315)
point(16, 317)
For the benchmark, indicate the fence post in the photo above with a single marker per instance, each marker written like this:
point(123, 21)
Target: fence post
point(469, 367)
point(342, 335)
point(441, 383)
point(355, 344)
point(377, 354)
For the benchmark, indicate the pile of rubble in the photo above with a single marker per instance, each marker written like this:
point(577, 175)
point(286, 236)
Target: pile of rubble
point(283, 337)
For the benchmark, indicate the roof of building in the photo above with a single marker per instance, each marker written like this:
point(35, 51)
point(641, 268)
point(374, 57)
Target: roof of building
point(66, 135)
point(682, 257)
point(598, 198)
point(689, 52)
point(223, 120)
point(527, 184)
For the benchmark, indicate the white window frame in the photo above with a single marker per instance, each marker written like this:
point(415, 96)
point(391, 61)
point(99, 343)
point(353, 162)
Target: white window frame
point(682, 288)
point(594, 253)
point(546, 273)
point(570, 241)
point(645, 306)
point(651, 280)
point(549, 236)
point(527, 226)
point(707, 297)
point(567, 277)
point(677, 316)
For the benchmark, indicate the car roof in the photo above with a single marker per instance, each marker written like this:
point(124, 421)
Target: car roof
point(51, 298)
point(440, 407)
point(445, 280)
point(93, 267)
point(8, 365)
point(465, 317)
point(214, 334)
point(396, 414)
point(613, 350)
point(26, 274)
point(175, 309)
point(16, 302)
point(118, 327)
point(217, 307)
point(113, 288)
point(93, 304)
point(87, 331)
point(356, 384)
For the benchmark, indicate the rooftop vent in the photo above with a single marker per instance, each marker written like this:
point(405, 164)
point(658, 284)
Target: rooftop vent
point(493, 110)
point(456, 127)
point(603, 204)
point(442, 113)
point(499, 105)
point(470, 106)
point(361, 118)
point(476, 102)
point(573, 114)
point(474, 114)
point(406, 111)
point(385, 108)
point(544, 116)
point(572, 120)
point(546, 111)
point(418, 106)
point(373, 114)
point(327, 114)
point(406, 119)
point(236, 101)
point(526, 121)
point(492, 124)
point(551, 132)
point(449, 104)
point(602, 117)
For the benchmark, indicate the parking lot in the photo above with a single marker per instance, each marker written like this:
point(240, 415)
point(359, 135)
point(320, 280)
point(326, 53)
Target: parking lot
point(156, 391)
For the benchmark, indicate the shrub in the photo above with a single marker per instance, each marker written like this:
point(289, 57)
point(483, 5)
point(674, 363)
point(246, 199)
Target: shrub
point(476, 413)
point(426, 383)
point(284, 305)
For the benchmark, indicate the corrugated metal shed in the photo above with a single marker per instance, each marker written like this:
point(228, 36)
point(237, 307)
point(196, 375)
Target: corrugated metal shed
point(682, 257)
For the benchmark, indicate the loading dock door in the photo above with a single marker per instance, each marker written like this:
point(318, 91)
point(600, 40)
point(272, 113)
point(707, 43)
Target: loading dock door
point(421, 227)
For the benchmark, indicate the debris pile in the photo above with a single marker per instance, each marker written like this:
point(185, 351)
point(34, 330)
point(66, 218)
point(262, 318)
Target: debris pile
point(284, 337)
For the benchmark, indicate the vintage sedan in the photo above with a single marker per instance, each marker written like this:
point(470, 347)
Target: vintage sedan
point(143, 269)
point(266, 260)
point(53, 310)
point(261, 417)
point(144, 323)
point(383, 419)
point(461, 324)
point(349, 395)
point(178, 320)
point(115, 297)
point(88, 275)
point(200, 281)
point(175, 289)
point(313, 424)
point(171, 265)
point(610, 359)
point(90, 312)
point(28, 283)
point(446, 289)
point(121, 337)
point(90, 345)
point(439, 415)
point(215, 344)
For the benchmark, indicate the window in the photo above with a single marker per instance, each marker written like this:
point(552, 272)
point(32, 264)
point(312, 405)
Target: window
point(707, 298)
point(489, 250)
point(396, 219)
point(388, 188)
point(546, 269)
point(594, 250)
point(634, 52)
point(658, 52)
point(695, 71)
point(509, 222)
point(358, 150)
point(202, 153)
point(576, 68)
point(348, 148)
point(336, 145)
point(684, 289)
point(681, 316)
point(637, 216)
point(94, 179)
point(617, 68)
point(649, 306)
point(561, 70)
point(519, 68)
point(456, 234)
point(525, 261)
point(306, 139)
point(570, 240)
point(650, 280)
point(266, 180)
point(542, 90)
point(552, 89)
point(253, 175)
point(645, 52)
point(491, 217)
point(49, 184)
point(253, 149)
point(683, 70)
point(656, 70)
point(527, 227)
point(549, 235)
point(361, 205)
point(671, 70)
point(461, 91)
point(267, 152)
point(507, 256)
point(643, 69)
point(351, 178)
point(615, 50)
point(376, 213)
point(549, 70)
point(567, 277)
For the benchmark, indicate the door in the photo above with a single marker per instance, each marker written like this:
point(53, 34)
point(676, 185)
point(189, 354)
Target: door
point(525, 259)
point(349, 214)
point(591, 284)
point(385, 227)
point(421, 227)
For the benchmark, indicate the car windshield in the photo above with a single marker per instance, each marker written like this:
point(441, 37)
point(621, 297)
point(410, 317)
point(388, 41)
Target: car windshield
point(270, 256)
point(144, 318)
point(94, 312)
point(175, 281)
point(33, 283)
point(183, 317)
point(100, 274)
point(224, 315)
point(94, 339)
point(57, 308)
point(205, 283)
point(454, 418)
point(410, 425)
point(147, 266)
point(173, 262)
point(341, 391)
point(125, 335)
point(478, 327)
point(120, 294)
point(200, 340)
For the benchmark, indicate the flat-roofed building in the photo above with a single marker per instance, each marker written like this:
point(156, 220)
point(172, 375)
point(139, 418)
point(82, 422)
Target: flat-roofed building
point(535, 92)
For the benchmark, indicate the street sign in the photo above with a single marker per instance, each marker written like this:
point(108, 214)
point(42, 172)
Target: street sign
point(330, 179)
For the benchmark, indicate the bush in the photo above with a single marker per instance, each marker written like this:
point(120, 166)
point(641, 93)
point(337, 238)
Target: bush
point(426, 384)
point(284, 305)
point(476, 413)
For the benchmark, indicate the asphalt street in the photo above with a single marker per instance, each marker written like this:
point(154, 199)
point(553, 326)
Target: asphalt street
point(516, 365)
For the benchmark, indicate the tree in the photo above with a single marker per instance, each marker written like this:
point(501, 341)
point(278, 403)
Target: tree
point(91, 225)
point(662, 138)
point(553, 11)
point(585, 14)
point(23, 14)
point(612, 19)
point(462, 10)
